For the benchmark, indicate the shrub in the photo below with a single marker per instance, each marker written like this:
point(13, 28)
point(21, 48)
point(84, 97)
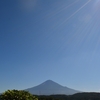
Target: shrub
point(17, 95)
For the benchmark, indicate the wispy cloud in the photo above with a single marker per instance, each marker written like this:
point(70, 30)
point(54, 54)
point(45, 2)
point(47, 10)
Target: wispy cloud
point(77, 11)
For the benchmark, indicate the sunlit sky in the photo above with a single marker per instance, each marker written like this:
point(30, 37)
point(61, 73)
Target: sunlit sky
point(50, 39)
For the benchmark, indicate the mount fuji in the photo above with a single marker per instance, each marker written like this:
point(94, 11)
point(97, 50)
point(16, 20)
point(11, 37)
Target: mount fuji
point(50, 87)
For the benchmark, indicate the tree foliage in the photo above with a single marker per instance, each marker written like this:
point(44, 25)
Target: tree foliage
point(17, 95)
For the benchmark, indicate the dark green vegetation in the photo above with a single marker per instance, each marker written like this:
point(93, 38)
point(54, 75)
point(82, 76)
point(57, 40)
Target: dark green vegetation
point(17, 95)
point(23, 95)
point(78, 96)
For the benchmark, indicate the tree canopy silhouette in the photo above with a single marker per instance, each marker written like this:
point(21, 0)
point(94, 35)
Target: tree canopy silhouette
point(17, 95)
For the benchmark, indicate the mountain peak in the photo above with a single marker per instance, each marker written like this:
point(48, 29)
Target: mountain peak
point(49, 84)
point(49, 81)
point(50, 87)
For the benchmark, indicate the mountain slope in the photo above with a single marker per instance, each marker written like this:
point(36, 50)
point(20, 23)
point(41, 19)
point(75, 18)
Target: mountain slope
point(50, 87)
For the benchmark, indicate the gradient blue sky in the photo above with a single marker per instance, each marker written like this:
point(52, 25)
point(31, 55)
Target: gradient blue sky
point(50, 39)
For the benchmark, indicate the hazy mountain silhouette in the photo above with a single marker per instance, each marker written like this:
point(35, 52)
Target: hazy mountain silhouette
point(50, 87)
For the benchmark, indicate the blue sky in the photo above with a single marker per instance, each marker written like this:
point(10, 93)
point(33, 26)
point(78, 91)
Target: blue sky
point(50, 39)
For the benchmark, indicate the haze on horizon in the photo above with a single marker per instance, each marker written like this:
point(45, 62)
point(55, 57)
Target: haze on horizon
point(50, 39)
